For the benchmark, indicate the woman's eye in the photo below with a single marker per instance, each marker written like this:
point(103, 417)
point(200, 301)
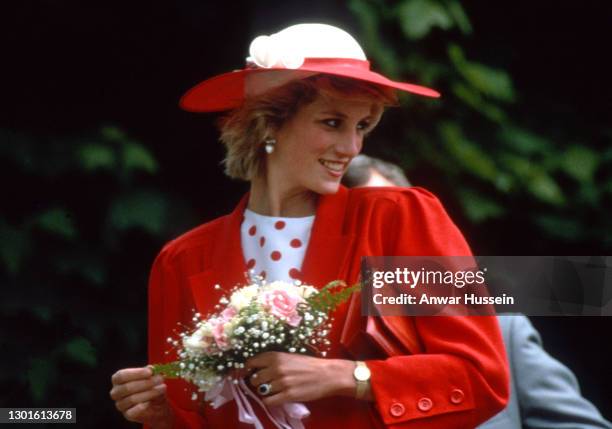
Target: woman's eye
point(334, 123)
point(363, 126)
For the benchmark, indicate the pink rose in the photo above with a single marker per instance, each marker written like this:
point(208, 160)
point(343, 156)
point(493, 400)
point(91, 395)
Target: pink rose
point(228, 314)
point(283, 305)
point(218, 331)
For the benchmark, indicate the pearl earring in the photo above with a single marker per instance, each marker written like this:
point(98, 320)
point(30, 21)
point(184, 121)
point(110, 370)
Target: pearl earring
point(269, 145)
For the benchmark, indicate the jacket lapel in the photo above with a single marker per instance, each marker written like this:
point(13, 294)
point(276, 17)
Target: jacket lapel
point(227, 266)
point(327, 255)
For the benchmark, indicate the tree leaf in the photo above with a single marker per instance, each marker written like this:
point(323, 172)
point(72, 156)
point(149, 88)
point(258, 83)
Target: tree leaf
point(525, 141)
point(419, 17)
point(137, 157)
point(113, 134)
point(492, 82)
point(535, 179)
point(459, 16)
point(519, 166)
point(580, 162)
point(466, 153)
point(144, 209)
point(543, 187)
point(80, 350)
point(474, 99)
point(95, 156)
point(57, 221)
point(479, 208)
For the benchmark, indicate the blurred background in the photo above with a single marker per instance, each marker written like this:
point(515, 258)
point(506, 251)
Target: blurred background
point(99, 167)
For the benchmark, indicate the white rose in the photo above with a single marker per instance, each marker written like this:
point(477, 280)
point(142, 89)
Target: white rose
point(242, 297)
point(230, 326)
point(205, 330)
point(284, 286)
point(194, 344)
point(307, 291)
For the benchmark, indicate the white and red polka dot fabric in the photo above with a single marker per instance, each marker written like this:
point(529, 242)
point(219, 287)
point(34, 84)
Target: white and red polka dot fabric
point(275, 246)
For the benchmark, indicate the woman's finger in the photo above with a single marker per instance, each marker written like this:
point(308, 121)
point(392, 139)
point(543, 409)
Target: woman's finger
point(264, 375)
point(132, 400)
point(121, 391)
point(130, 374)
point(263, 360)
point(278, 398)
point(136, 413)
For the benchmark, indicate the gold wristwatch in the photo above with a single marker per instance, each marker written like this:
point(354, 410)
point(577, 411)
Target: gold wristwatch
point(361, 373)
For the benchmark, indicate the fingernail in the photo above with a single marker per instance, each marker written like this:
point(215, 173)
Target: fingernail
point(160, 387)
point(158, 379)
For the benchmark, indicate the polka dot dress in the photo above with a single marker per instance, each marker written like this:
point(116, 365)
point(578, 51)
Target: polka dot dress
point(275, 246)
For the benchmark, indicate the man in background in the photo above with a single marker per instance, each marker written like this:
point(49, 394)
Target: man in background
point(365, 171)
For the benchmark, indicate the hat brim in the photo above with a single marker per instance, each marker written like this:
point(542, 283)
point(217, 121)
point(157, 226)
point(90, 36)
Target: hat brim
point(227, 91)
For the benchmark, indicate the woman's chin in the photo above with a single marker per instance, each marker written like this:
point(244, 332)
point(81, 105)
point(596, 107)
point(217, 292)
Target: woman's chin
point(327, 188)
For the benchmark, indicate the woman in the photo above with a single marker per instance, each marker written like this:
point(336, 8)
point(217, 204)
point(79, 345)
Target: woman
point(298, 114)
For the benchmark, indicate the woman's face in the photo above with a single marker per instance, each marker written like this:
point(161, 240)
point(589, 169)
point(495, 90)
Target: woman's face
point(314, 148)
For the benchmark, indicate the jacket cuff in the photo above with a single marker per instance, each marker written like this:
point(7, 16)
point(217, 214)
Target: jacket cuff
point(405, 392)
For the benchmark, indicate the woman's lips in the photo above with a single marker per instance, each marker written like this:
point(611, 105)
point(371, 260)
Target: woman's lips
point(335, 168)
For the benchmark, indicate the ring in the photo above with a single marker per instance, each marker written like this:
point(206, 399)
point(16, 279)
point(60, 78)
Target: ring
point(264, 389)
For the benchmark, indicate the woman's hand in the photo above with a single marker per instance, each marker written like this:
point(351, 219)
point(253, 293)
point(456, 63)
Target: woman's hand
point(299, 378)
point(141, 398)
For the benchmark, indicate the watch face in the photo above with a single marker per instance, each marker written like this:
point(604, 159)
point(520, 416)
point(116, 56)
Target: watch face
point(362, 373)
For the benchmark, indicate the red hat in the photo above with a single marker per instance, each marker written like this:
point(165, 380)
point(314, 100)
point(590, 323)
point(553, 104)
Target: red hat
point(296, 52)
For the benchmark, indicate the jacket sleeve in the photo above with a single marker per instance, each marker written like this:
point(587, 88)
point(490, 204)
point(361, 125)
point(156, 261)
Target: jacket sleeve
point(459, 378)
point(169, 307)
point(547, 390)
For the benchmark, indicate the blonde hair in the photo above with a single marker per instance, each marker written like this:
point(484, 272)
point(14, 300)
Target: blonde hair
point(244, 129)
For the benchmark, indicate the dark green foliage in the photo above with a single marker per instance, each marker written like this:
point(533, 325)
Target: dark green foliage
point(76, 240)
point(483, 147)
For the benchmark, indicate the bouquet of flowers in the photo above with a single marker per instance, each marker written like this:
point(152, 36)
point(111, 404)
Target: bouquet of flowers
point(259, 317)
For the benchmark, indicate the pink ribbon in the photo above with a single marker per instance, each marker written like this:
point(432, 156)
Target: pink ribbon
point(286, 416)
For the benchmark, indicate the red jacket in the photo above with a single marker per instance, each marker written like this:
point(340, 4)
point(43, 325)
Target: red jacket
point(427, 372)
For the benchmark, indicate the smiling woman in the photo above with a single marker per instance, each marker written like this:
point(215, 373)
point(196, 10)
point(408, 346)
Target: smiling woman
point(318, 124)
point(245, 129)
point(298, 114)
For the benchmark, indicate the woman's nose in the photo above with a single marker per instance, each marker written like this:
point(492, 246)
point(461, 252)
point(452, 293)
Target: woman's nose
point(351, 144)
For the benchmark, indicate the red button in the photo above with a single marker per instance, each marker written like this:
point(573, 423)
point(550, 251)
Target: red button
point(397, 409)
point(425, 404)
point(457, 396)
